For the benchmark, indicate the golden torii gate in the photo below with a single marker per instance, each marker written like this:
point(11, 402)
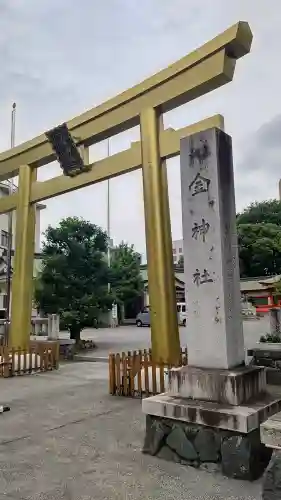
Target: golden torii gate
point(201, 71)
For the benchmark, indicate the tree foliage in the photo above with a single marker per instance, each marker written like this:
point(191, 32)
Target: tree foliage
point(259, 249)
point(259, 239)
point(74, 277)
point(125, 277)
point(261, 212)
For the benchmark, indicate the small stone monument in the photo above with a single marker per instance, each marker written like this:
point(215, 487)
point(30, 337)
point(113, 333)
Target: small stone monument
point(274, 321)
point(248, 311)
point(114, 315)
point(214, 406)
point(53, 326)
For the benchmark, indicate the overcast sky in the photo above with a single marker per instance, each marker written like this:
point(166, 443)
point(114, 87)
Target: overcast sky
point(60, 57)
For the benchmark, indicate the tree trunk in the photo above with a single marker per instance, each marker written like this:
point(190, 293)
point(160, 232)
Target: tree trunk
point(75, 331)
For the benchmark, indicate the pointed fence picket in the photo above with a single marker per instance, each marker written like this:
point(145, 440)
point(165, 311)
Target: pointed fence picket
point(39, 357)
point(136, 374)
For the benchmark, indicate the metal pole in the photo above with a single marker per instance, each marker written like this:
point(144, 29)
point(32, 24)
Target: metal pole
point(108, 214)
point(10, 231)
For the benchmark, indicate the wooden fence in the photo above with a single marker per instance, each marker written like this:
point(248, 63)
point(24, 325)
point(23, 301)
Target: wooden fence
point(40, 357)
point(135, 373)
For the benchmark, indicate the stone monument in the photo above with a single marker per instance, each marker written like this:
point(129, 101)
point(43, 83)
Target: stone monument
point(214, 406)
point(248, 310)
point(53, 326)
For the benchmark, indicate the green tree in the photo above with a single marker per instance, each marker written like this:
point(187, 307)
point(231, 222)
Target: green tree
point(259, 249)
point(125, 277)
point(74, 276)
point(258, 212)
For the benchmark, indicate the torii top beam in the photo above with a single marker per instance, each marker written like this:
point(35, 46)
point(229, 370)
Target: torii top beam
point(201, 71)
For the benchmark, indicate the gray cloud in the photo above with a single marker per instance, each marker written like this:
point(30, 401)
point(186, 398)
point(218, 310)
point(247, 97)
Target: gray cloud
point(259, 169)
point(268, 136)
point(60, 58)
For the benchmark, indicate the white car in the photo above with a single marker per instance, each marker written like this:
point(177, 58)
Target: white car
point(143, 318)
point(182, 314)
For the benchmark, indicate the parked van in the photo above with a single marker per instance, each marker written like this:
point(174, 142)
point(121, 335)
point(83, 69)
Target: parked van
point(143, 317)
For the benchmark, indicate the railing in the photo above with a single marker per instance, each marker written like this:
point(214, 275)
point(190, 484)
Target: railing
point(39, 357)
point(135, 373)
point(38, 326)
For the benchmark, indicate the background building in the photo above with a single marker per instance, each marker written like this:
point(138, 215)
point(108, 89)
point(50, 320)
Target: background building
point(4, 240)
point(177, 250)
point(179, 285)
point(257, 290)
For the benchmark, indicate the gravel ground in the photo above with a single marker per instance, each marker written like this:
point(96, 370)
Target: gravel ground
point(65, 438)
point(125, 338)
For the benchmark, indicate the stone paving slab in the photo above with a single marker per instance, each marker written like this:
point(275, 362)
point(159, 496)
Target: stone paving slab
point(65, 438)
point(271, 431)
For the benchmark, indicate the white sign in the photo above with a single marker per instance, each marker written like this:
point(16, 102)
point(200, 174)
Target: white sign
point(114, 311)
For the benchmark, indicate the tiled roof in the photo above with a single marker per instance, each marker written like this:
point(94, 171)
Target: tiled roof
point(246, 285)
point(252, 285)
point(271, 281)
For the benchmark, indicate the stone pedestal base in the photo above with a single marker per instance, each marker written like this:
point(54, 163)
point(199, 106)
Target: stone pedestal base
point(196, 432)
point(212, 416)
point(238, 455)
point(243, 418)
point(234, 387)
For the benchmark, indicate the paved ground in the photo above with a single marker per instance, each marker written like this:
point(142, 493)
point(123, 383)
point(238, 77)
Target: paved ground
point(65, 438)
point(126, 338)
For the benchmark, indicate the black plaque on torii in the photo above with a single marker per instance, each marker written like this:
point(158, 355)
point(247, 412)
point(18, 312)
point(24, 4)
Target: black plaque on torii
point(66, 151)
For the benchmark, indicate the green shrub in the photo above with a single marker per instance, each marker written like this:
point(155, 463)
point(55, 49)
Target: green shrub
point(270, 339)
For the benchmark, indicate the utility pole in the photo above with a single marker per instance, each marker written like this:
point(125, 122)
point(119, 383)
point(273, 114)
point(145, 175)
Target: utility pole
point(10, 231)
point(108, 214)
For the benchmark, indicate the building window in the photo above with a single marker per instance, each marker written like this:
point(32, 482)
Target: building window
point(4, 238)
point(180, 250)
point(174, 251)
point(5, 301)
